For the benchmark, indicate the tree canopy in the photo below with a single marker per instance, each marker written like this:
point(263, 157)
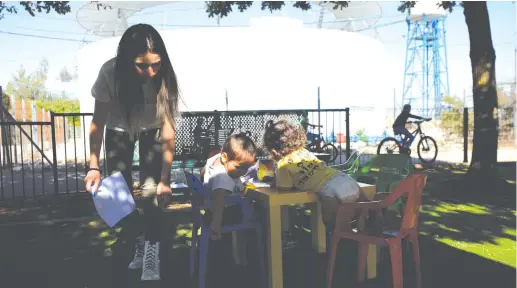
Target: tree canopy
point(219, 9)
point(224, 8)
point(33, 7)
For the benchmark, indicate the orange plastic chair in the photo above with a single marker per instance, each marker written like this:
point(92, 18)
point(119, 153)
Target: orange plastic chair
point(410, 187)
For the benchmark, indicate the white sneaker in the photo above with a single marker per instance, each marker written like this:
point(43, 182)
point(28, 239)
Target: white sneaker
point(138, 260)
point(151, 269)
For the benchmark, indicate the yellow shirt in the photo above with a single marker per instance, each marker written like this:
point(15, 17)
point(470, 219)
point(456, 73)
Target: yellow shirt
point(303, 170)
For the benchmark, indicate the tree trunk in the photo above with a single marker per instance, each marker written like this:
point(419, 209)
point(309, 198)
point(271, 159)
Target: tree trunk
point(482, 168)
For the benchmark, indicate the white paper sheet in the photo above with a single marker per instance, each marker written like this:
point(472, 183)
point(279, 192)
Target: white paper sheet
point(113, 199)
point(178, 185)
point(259, 184)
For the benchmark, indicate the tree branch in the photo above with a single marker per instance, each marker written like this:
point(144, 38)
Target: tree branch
point(223, 8)
point(60, 7)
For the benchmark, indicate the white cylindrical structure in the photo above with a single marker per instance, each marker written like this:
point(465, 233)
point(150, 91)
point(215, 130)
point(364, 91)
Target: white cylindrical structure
point(263, 68)
point(428, 10)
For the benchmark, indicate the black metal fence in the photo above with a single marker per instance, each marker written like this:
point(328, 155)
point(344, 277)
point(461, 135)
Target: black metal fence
point(38, 159)
point(46, 158)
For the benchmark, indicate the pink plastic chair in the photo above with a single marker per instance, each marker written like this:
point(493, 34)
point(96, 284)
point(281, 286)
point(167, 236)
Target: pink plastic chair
point(411, 187)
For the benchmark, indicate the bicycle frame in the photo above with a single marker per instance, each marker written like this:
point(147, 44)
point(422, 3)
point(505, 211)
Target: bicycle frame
point(417, 132)
point(319, 142)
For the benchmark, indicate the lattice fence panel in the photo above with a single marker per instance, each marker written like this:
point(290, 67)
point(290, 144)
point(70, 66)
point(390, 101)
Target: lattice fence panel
point(255, 123)
point(222, 124)
point(185, 131)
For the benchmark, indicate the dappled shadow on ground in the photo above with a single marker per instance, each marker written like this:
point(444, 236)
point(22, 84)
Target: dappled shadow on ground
point(85, 254)
point(456, 212)
point(480, 222)
point(450, 184)
point(467, 221)
point(54, 208)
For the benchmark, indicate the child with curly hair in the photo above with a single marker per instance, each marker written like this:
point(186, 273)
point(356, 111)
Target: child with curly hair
point(298, 168)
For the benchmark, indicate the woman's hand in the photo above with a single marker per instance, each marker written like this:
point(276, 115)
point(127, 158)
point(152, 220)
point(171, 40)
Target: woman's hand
point(164, 194)
point(92, 180)
point(163, 189)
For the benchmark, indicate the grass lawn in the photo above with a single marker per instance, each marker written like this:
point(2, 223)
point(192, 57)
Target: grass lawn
point(482, 230)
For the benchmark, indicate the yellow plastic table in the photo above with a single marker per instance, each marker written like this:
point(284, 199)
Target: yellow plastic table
point(272, 199)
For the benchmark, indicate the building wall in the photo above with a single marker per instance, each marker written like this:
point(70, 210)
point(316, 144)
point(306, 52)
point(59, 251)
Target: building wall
point(22, 110)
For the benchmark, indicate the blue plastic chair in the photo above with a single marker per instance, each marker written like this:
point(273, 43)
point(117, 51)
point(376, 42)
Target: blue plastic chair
point(199, 195)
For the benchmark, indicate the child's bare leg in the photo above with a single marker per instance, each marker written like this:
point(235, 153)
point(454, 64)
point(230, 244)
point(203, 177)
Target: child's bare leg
point(329, 208)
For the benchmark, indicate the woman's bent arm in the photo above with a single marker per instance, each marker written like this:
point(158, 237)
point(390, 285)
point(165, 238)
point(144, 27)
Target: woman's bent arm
point(100, 114)
point(168, 144)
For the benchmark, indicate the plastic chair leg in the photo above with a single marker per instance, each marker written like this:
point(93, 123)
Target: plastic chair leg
point(193, 250)
point(261, 256)
point(416, 257)
point(362, 257)
point(396, 262)
point(203, 255)
point(332, 260)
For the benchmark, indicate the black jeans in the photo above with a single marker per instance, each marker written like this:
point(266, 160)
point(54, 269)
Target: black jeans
point(119, 154)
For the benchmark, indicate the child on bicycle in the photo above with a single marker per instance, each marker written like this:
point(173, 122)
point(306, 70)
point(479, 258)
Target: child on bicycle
point(300, 169)
point(222, 175)
point(399, 126)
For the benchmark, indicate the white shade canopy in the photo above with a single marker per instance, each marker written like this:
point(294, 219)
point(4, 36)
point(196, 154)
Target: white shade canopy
point(110, 19)
point(260, 68)
point(357, 16)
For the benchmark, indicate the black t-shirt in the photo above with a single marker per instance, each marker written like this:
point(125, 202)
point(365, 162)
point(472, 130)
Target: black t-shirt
point(402, 118)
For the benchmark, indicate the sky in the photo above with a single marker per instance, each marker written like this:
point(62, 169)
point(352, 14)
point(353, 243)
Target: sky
point(27, 48)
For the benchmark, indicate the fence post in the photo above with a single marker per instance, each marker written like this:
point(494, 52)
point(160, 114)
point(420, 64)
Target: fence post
point(217, 127)
point(54, 152)
point(347, 128)
point(217, 122)
point(3, 136)
point(465, 135)
point(319, 113)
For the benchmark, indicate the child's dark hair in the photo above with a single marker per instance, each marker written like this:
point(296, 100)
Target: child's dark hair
point(240, 141)
point(283, 137)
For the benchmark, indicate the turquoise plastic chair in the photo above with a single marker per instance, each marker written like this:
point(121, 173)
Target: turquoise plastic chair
point(351, 165)
point(386, 171)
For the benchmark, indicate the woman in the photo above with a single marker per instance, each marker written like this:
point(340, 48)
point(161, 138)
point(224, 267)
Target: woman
point(136, 97)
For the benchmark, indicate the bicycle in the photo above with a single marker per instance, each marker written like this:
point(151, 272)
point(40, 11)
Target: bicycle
point(316, 144)
point(424, 144)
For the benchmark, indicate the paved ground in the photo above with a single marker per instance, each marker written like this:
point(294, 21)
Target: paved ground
point(37, 182)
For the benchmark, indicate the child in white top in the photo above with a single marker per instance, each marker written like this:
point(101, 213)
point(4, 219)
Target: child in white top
point(222, 176)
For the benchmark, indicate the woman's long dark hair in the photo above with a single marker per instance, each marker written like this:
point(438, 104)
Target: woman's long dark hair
point(137, 40)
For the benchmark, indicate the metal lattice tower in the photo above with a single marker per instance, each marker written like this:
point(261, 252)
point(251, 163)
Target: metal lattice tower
point(426, 75)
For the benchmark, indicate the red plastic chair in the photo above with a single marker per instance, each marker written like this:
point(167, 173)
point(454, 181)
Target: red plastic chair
point(411, 187)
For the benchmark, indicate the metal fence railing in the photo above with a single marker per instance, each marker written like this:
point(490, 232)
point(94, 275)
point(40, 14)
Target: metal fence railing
point(39, 158)
point(51, 158)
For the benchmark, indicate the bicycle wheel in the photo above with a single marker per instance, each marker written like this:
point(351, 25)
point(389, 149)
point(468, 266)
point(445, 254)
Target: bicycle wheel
point(311, 147)
point(388, 145)
point(330, 149)
point(426, 145)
